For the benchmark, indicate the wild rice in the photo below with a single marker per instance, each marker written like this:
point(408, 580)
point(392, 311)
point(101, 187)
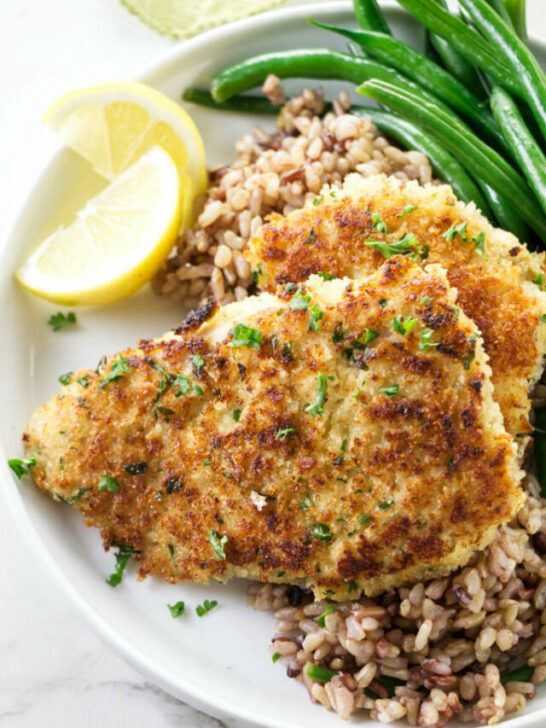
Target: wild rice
point(433, 651)
point(275, 172)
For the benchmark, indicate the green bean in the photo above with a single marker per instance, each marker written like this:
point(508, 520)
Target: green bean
point(540, 448)
point(457, 64)
point(517, 12)
point(444, 165)
point(317, 63)
point(430, 49)
point(429, 75)
point(369, 16)
point(465, 39)
point(479, 159)
point(528, 153)
point(500, 8)
point(248, 104)
point(522, 61)
point(505, 214)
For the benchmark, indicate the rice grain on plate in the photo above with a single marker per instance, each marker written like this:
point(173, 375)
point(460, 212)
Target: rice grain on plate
point(275, 172)
point(432, 650)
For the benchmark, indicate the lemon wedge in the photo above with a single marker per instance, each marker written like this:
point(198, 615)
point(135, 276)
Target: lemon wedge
point(118, 240)
point(113, 125)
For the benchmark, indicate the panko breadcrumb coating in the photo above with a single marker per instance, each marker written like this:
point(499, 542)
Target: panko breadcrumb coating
point(499, 281)
point(343, 436)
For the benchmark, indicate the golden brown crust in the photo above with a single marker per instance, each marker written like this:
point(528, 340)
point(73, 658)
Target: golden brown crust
point(497, 292)
point(405, 486)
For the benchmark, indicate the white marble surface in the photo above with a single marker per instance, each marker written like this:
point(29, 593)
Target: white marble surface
point(53, 670)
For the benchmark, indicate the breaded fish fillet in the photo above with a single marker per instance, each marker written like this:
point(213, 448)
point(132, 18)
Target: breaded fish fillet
point(499, 281)
point(345, 438)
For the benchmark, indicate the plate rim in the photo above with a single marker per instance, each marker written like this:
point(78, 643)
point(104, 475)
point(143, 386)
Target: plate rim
point(194, 696)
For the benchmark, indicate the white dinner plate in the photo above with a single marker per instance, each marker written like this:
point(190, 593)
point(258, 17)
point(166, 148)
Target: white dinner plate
point(219, 663)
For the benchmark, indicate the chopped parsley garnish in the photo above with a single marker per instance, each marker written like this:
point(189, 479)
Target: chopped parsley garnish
point(469, 358)
point(326, 276)
point(236, 414)
point(287, 353)
point(542, 317)
point(206, 463)
point(108, 483)
point(426, 299)
point(406, 211)
point(311, 237)
point(479, 244)
point(452, 232)
point(119, 369)
point(315, 315)
point(383, 302)
point(165, 411)
point(403, 325)
point(520, 674)
point(257, 273)
point(337, 334)
point(65, 379)
point(289, 287)
point(183, 384)
point(304, 505)
point(206, 607)
point(322, 532)
point(122, 557)
point(352, 585)
point(539, 280)
point(425, 342)
point(344, 445)
point(173, 484)
point(299, 302)
point(159, 368)
point(318, 673)
point(385, 505)
point(370, 335)
point(83, 381)
point(317, 407)
point(275, 657)
point(404, 245)
point(136, 468)
point(59, 320)
point(177, 609)
point(198, 390)
point(390, 391)
point(377, 223)
point(75, 498)
point(283, 434)
point(246, 336)
point(20, 466)
point(218, 542)
point(317, 201)
point(197, 362)
point(330, 608)
point(364, 520)
point(164, 383)
point(388, 682)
